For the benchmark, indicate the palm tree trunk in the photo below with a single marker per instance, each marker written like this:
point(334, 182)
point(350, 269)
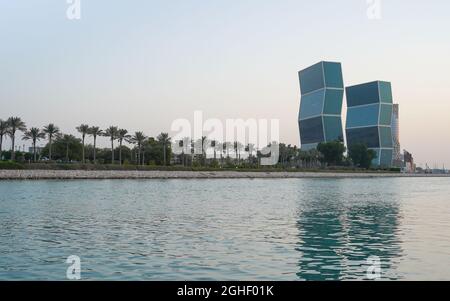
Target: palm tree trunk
point(34, 151)
point(84, 158)
point(143, 157)
point(138, 156)
point(120, 152)
point(67, 153)
point(50, 148)
point(164, 151)
point(13, 152)
point(1, 149)
point(95, 144)
point(112, 151)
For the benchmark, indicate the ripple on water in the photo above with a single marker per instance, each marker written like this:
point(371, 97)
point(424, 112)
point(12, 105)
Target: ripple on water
point(293, 229)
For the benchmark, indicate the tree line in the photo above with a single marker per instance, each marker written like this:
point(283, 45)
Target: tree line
point(146, 150)
point(66, 147)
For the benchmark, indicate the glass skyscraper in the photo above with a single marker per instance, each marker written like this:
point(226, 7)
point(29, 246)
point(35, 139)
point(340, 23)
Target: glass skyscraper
point(322, 91)
point(369, 117)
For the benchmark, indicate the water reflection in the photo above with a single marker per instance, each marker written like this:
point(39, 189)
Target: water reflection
point(339, 231)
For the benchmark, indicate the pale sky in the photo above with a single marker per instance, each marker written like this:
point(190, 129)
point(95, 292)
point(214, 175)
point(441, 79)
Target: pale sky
point(142, 64)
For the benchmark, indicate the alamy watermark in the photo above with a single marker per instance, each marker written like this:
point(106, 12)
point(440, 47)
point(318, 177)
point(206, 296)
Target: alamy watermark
point(73, 272)
point(202, 137)
point(374, 269)
point(374, 9)
point(73, 12)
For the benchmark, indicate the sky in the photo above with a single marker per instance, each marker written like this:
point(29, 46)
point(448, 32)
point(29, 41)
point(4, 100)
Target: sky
point(142, 64)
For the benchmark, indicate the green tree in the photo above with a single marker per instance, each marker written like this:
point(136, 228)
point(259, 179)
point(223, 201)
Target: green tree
point(34, 134)
point(111, 132)
point(51, 131)
point(332, 152)
point(361, 156)
point(122, 135)
point(138, 139)
point(164, 140)
point(95, 131)
point(70, 144)
point(15, 124)
point(4, 127)
point(83, 130)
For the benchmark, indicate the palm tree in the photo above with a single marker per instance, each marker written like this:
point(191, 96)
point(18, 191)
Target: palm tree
point(122, 134)
point(237, 150)
point(83, 130)
point(51, 130)
point(138, 138)
point(111, 132)
point(193, 150)
point(164, 139)
point(68, 140)
point(34, 134)
point(4, 127)
point(15, 124)
point(185, 143)
point(219, 147)
point(95, 131)
point(250, 148)
point(226, 148)
point(214, 147)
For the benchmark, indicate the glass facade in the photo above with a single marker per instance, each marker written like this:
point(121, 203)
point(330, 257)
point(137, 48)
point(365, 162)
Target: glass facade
point(362, 116)
point(385, 114)
point(311, 79)
point(333, 128)
point(333, 102)
point(385, 92)
point(312, 130)
point(312, 104)
point(369, 118)
point(368, 136)
point(322, 91)
point(385, 136)
point(362, 94)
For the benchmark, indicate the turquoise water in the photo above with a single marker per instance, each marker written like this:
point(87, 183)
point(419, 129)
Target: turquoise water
point(293, 229)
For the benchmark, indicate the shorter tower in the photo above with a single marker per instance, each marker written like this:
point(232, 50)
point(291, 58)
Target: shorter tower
point(397, 156)
point(369, 118)
point(322, 91)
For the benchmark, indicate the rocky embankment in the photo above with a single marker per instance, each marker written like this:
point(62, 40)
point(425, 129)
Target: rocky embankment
point(126, 174)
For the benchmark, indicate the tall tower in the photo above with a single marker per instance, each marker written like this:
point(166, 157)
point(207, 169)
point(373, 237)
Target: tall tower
point(396, 156)
point(322, 92)
point(369, 118)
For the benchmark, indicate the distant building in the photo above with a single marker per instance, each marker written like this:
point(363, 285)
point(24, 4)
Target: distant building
point(369, 118)
point(409, 165)
point(38, 150)
point(395, 125)
point(322, 92)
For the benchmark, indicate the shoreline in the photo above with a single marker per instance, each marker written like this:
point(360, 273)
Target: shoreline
point(154, 174)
